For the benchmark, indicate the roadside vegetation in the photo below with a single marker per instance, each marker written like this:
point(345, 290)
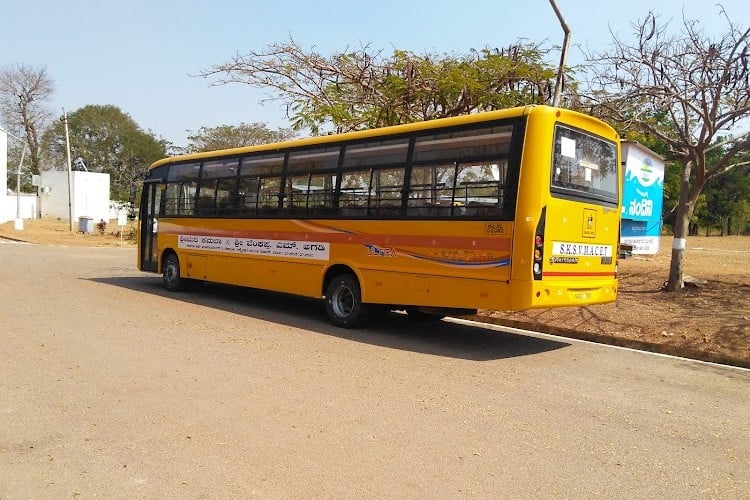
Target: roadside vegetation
point(670, 86)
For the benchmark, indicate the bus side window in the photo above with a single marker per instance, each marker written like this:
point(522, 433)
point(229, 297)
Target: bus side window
point(186, 203)
point(296, 194)
point(482, 189)
point(248, 195)
point(388, 190)
point(205, 205)
point(171, 197)
point(431, 191)
point(227, 200)
point(269, 192)
point(354, 195)
point(182, 184)
point(179, 198)
point(310, 194)
point(260, 184)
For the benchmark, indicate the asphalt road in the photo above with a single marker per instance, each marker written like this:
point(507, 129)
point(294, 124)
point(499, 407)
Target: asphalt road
point(112, 387)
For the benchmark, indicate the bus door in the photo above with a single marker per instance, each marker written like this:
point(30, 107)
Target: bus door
point(150, 203)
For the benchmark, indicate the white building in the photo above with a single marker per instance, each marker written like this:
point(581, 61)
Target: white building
point(90, 192)
point(3, 176)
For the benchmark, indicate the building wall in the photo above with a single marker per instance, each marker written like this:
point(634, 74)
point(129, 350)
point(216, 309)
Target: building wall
point(3, 177)
point(10, 204)
point(9, 207)
point(90, 192)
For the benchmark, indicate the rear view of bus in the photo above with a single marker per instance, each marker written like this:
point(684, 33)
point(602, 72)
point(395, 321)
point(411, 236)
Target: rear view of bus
point(568, 215)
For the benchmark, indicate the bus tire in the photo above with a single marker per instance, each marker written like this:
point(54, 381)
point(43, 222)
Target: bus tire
point(171, 274)
point(344, 302)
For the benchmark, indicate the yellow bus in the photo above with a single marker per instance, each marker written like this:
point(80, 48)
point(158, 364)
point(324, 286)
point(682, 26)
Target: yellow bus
point(505, 210)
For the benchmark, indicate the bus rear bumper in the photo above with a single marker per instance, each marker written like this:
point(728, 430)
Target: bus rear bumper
point(547, 294)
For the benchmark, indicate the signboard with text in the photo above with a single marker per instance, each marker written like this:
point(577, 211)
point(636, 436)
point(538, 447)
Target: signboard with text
point(642, 200)
point(314, 250)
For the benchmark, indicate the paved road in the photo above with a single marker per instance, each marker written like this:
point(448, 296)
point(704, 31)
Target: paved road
point(111, 387)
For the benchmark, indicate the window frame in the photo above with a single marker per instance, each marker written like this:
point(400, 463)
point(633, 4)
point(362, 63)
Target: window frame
point(372, 158)
point(569, 192)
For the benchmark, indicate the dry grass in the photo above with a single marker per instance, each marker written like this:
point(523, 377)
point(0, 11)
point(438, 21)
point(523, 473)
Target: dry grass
point(710, 322)
point(49, 231)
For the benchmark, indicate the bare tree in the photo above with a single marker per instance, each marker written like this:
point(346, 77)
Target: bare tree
point(355, 89)
point(691, 92)
point(24, 93)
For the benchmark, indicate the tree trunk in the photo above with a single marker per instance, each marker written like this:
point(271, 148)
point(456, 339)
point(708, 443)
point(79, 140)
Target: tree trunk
point(683, 213)
point(681, 223)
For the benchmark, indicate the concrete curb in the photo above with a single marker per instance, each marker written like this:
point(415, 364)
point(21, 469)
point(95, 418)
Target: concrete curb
point(599, 338)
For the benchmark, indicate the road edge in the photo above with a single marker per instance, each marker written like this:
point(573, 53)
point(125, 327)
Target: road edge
point(599, 338)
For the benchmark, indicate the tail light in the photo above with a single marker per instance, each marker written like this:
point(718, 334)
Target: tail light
point(539, 246)
point(617, 250)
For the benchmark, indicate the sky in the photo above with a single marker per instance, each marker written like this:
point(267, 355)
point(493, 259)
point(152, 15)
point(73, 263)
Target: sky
point(142, 55)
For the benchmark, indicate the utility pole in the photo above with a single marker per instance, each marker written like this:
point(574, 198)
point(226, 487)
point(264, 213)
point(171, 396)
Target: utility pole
point(563, 55)
point(70, 175)
point(19, 220)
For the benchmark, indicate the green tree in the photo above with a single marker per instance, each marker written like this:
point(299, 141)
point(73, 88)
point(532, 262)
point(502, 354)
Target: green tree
point(727, 200)
point(109, 141)
point(697, 87)
point(357, 89)
point(235, 136)
point(740, 222)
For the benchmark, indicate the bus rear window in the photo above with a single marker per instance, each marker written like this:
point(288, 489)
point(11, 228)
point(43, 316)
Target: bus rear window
point(584, 166)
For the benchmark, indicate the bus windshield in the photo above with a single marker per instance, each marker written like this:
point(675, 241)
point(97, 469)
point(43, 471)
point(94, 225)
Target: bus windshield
point(584, 166)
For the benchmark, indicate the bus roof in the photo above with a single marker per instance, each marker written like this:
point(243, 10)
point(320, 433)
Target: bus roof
point(374, 132)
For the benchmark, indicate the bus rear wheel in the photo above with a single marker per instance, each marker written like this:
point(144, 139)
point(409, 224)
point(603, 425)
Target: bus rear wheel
point(171, 274)
point(344, 302)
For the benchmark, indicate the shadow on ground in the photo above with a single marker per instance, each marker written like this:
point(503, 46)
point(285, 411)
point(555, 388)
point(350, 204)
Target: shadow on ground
point(388, 329)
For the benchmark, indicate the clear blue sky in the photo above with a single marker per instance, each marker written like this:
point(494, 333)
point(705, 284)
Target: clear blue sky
point(139, 55)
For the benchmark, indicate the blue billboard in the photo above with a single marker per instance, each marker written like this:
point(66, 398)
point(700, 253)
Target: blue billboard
point(642, 200)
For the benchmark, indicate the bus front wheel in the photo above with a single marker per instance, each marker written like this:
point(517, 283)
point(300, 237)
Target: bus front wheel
point(344, 302)
point(171, 274)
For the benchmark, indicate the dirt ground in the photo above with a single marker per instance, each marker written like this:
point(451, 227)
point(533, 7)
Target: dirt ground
point(710, 321)
point(58, 232)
